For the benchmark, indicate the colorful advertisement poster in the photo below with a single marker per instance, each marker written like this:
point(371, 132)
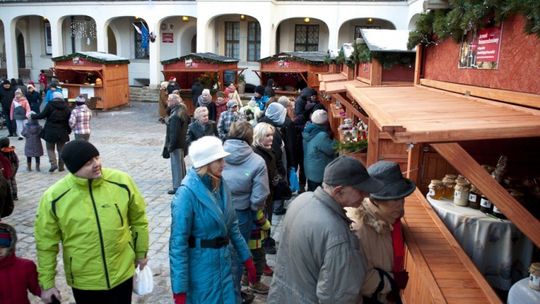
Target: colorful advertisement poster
point(167, 37)
point(481, 50)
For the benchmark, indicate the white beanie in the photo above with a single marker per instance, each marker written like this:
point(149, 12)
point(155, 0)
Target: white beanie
point(319, 117)
point(206, 150)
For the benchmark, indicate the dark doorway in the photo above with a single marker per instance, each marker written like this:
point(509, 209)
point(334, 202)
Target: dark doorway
point(21, 60)
point(194, 44)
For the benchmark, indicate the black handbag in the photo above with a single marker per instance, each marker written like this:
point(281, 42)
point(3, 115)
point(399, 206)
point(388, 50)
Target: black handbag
point(282, 190)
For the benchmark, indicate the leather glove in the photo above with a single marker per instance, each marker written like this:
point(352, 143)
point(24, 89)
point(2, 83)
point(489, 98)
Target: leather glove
point(251, 272)
point(179, 298)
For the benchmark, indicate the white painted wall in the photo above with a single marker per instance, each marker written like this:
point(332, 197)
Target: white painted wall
point(206, 20)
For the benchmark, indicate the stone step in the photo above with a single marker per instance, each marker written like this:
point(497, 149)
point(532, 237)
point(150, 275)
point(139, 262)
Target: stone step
point(143, 94)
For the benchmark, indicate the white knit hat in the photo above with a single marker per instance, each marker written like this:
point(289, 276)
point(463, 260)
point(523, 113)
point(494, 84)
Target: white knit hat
point(206, 150)
point(319, 117)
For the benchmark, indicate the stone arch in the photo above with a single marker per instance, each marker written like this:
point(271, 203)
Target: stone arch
point(348, 30)
point(286, 34)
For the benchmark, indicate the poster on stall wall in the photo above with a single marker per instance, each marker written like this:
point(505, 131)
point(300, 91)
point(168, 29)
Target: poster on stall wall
point(167, 37)
point(480, 50)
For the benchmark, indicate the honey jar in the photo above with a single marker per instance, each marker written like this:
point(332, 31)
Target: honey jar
point(436, 189)
point(449, 183)
point(534, 277)
point(461, 193)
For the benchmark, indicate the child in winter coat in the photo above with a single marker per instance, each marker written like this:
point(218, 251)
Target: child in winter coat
point(17, 275)
point(32, 146)
point(79, 121)
point(20, 108)
point(9, 152)
point(259, 232)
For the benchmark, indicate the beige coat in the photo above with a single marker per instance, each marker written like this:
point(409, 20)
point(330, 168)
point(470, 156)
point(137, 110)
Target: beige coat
point(375, 235)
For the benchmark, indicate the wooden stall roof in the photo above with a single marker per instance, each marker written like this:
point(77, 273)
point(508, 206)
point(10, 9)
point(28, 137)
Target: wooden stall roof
point(386, 40)
point(340, 86)
point(96, 57)
point(316, 58)
point(419, 114)
point(207, 56)
point(332, 77)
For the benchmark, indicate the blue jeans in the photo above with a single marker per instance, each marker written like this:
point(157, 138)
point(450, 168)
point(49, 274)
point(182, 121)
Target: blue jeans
point(178, 168)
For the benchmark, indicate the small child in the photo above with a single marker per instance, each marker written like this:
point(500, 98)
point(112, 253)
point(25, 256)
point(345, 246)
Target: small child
point(17, 275)
point(79, 121)
point(32, 146)
point(9, 152)
point(261, 227)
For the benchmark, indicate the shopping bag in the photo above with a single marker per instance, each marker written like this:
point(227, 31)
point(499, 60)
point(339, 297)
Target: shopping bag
point(143, 281)
point(293, 180)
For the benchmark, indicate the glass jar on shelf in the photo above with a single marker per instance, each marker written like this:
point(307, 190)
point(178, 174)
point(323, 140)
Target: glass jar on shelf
point(436, 189)
point(474, 198)
point(461, 193)
point(485, 204)
point(449, 182)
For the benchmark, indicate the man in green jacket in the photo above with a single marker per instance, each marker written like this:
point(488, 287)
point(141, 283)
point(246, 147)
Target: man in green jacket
point(99, 217)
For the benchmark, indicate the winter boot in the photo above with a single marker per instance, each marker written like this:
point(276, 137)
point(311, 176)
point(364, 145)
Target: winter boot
point(28, 166)
point(37, 167)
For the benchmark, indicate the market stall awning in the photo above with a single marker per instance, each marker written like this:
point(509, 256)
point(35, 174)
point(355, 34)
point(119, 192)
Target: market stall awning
point(309, 57)
point(340, 86)
point(205, 57)
point(332, 77)
point(418, 114)
point(96, 57)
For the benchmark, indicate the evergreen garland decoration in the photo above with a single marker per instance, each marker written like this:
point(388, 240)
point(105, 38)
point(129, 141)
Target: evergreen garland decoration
point(471, 15)
point(351, 146)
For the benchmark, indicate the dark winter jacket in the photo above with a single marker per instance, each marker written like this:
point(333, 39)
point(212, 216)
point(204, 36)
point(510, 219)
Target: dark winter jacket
point(17, 275)
point(173, 85)
point(56, 127)
point(318, 151)
point(32, 146)
point(34, 99)
point(300, 113)
point(6, 98)
point(196, 91)
point(284, 135)
point(177, 127)
point(197, 130)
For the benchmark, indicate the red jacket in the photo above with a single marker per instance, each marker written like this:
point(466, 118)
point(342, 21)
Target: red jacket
point(17, 275)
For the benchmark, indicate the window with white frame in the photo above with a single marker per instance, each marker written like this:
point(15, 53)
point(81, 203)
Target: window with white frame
point(47, 38)
point(141, 46)
point(254, 41)
point(306, 37)
point(232, 39)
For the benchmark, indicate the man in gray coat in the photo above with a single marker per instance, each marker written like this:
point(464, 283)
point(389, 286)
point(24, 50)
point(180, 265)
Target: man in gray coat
point(319, 259)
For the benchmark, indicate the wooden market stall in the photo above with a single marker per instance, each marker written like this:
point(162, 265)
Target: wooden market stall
point(454, 121)
point(211, 69)
point(103, 77)
point(292, 71)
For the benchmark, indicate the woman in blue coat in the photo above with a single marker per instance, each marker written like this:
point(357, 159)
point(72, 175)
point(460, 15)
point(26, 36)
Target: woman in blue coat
point(203, 224)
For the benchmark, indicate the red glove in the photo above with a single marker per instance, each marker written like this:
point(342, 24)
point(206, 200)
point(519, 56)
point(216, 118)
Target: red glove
point(251, 272)
point(179, 298)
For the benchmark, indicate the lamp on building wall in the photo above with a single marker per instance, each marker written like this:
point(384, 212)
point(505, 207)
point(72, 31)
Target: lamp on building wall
point(370, 20)
point(242, 17)
point(307, 20)
point(185, 18)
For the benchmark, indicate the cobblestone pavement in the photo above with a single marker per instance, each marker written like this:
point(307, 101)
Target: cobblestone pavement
point(129, 139)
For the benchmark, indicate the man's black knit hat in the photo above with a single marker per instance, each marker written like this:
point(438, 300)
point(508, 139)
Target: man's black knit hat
point(76, 153)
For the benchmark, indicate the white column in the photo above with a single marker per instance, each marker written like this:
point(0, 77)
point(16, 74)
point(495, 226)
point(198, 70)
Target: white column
point(154, 64)
point(202, 32)
point(11, 49)
point(268, 44)
point(56, 38)
point(102, 38)
point(333, 36)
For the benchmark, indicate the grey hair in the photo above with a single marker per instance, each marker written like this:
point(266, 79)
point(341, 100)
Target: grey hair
point(260, 131)
point(199, 112)
point(205, 91)
point(284, 101)
point(174, 97)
